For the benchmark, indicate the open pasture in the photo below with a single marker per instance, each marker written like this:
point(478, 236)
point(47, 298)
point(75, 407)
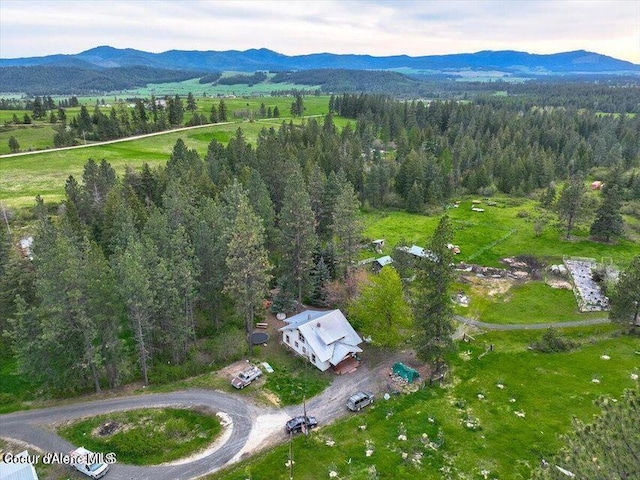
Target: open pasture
point(504, 230)
point(200, 89)
point(44, 173)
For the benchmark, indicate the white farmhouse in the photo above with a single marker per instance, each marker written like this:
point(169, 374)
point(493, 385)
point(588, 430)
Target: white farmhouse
point(325, 338)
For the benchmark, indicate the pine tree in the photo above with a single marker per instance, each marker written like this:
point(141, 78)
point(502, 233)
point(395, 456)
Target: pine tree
point(415, 198)
point(222, 111)
point(433, 308)
point(136, 290)
point(320, 277)
point(191, 103)
point(625, 297)
point(213, 117)
point(14, 146)
point(608, 223)
point(606, 449)
point(346, 227)
point(248, 265)
point(297, 233)
point(571, 205)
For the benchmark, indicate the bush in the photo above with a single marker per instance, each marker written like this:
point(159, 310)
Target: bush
point(551, 342)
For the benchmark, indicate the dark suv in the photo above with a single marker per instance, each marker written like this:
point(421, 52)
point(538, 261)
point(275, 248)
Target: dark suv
point(297, 424)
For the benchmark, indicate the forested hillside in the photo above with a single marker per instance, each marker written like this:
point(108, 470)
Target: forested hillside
point(61, 80)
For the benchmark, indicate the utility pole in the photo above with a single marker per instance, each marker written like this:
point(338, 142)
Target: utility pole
point(290, 455)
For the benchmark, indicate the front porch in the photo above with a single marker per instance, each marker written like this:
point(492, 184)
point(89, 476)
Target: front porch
point(348, 365)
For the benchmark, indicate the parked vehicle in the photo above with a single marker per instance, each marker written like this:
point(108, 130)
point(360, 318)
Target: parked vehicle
point(89, 463)
point(359, 400)
point(245, 377)
point(298, 424)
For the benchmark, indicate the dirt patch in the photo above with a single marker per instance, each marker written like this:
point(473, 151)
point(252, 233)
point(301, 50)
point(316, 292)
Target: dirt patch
point(107, 429)
point(558, 283)
point(270, 397)
point(486, 286)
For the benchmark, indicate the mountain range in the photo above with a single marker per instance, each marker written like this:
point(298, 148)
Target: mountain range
point(508, 61)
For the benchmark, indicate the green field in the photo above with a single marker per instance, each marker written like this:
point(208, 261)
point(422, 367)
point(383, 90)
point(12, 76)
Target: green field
point(500, 413)
point(23, 177)
point(39, 135)
point(505, 230)
point(194, 86)
point(527, 303)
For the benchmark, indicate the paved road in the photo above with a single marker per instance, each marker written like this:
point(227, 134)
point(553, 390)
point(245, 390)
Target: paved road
point(34, 426)
point(31, 426)
point(531, 326)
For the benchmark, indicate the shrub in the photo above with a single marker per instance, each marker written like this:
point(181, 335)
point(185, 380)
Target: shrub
point(551, 341)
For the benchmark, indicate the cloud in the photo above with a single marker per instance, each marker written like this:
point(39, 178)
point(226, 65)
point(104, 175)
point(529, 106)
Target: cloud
point(414, 28)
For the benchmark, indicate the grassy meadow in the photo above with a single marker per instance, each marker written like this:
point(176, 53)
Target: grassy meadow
point(504, 230)
point(39, 134)
point(524, 303)
point(44, 173)
point(198, 89)
point(497, 417)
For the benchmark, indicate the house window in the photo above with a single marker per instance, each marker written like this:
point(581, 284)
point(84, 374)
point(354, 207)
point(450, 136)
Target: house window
point(300, 336)
point(304, 350)
point(296, 344)
point(313, 358)
point(286, 339)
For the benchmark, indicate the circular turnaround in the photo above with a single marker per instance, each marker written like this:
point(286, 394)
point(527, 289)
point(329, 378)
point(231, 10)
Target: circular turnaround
point(258, 338)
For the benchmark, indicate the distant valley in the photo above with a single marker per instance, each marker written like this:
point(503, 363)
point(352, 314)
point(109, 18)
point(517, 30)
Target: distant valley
point(105, 68)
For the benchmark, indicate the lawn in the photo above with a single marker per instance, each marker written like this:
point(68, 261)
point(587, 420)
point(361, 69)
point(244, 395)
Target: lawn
point(499, 415)
point(146, 436)
point(531, 302)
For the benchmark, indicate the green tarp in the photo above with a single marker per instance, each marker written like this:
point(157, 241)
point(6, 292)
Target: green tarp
point(408, 373)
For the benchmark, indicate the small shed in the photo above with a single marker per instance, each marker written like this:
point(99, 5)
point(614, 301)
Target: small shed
point(378, 245)
point(382, 262)
point(407, 373)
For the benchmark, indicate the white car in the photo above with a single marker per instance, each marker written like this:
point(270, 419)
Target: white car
point(89, 463)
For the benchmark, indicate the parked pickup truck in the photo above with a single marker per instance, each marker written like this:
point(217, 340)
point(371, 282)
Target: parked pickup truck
point(91, 464)
point(245, 377)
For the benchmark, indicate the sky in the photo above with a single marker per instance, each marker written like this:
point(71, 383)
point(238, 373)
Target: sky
point(30, 28)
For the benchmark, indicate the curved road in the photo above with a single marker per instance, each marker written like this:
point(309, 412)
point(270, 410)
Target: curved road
point(33, 427)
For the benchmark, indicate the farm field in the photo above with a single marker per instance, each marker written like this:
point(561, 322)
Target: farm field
point(199, 89)
point(39, 135)
point(498, 418)
point(45, 173)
